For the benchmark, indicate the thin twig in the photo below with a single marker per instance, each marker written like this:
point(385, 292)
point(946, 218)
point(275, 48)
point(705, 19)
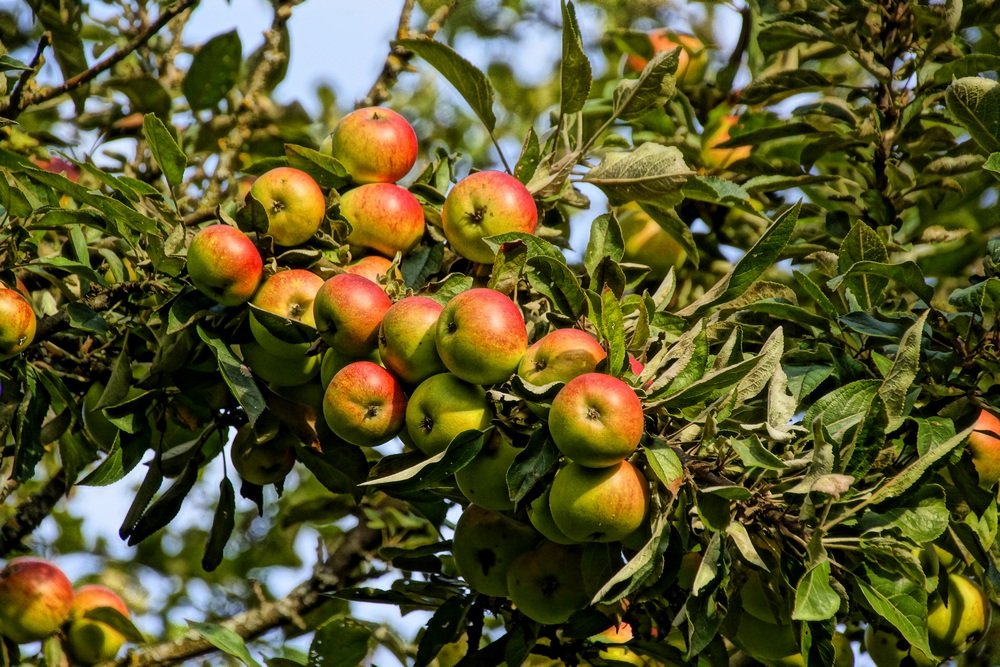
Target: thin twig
point(31, 513)
point(22, 81)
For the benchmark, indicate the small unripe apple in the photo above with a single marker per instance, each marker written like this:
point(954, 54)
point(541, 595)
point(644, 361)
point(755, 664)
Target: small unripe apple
point(540, 516)
point(692, 59)
point(372, 267)
point(984, 443)
point(289, 294)
point(596, 420)
point(647, 243)
point(481, 336)
point(485, 544)
point(280, 371)
point(887, 649)
point(384, 217)
point(955, 624)
point(375, 145)
point(441, 407)
point(348, 311)
point(294, 203)
point(560, 356)
point(261, 463)
point(88, 641)
point(546, 584)
point(484, 479)
point(224, 264)
point(35, 599)
point(407, 339)
point(599, 504)
point(485, 204)
point(17, 323)
point(364, 404)
point(717, 158)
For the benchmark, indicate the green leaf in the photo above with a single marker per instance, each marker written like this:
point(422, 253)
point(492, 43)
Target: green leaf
point(905, 479)
point(554, 280)
point(933, 430)
point(671, 223)
point(222, 526)
point(165, 150)
point(773, 87)
point(238, 377)
point(325, 169)
point(340, 468)
point(863, 244)
point(468, 80)
point(901, 602)
point(531, 464)
point(975, 103)
point(842, 408)
point(117, 620)
point(283, 328)
point(738, 533)
point(214, 70)
point(462, 449)
point(575, 72)
point(715, 190)
point(443, 627)
point(966, 66)
point(225, 640)
point(531, 154)
point(904, 370)
point(665, 464)
point(815, 599)
point(340, 642)
point(642, 563)
point(983, 299)
point(906, 273)
point(647, 173)
point(605, 241)
point(922, 518)
point(613, 330)
point(166, 507)
point(654, 87)
point(754, 455)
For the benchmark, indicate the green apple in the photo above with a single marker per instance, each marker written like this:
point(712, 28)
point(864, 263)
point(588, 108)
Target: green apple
point(375, 145)
point(17, 323)
point(267, 462)
point(89, 641)
point(224, 264)
point(276, 370)
point(407, 339)
point(384, 217)
point(560, 356)
point(294, 203)
point(596, 420)
point(955, 624)
point(984, 443)
point(599, 504)
point(289, 294)
point(766, 641)
point(348, 311)
point(546, 584)
point(540, 516)
point(481, 336)
point(364, 404)
point(647, 243)
point(485, 544)
point(484, 479)
point(35, 599)
point(441, 407)
point(887, 649)
point(485, 204)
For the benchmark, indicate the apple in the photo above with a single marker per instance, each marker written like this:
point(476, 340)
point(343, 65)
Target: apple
point(955, 624)
point(692, 60)
point(441, 407)
point(372, 267)
point(294, 203)
point(375, 145)
point(484, 479)
point(481, 336)
point(887, 649)
point(545, 584)
point(717, 158)
point(599, 504)
point(88, 641)
point(407, 339)
point(280, 371)
point(289, 294)
point(35, 599)
point(560, 356)
point(486, 543)
point(596, 420)
point(540, 516)
point(984, 443)
point(364, 404)
point(224, 264)
point(332, 361)
point(384, 217)
point(484, 204)
point(647, 243)
point(348, 311)
point(261, 463)
point(17, 323)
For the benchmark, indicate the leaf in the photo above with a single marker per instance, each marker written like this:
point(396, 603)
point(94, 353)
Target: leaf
point(222, 526)
point(815, 599)
point(340, 642)
point(325, 169)
point(654, 87)
point(975, 103)
point(715, 190)
point(923, 518)
point(773, 87)
point(641, 564)
point(605, 241)
point(906, 273)
point(863, 244)
point(164, 508)
point(225, 640)
point(575, 71)
point(531, 153)
point(165, 150)
point(237, 376)
point(842, 408)
point(671, 223)
point(901, 602)
point(899, 484)
point(340, 468)
point(665, 464)
point(443, 627)
point(462, 449)
point(554, 280)
point(758, 259)
point(117, 620)
point(468, 80)
point(966, 66)
point(754, 455)
point(613, 330)
point(904, 370)
point(214, 70)
point(738, 533)
point(646, 173)
point(531, 464)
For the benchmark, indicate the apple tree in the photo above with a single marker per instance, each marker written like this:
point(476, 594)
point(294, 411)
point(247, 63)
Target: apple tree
point(680, 351)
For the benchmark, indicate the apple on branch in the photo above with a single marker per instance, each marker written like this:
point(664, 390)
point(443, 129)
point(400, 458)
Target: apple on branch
point(375, 145)
point(294, 203)
point(484, 204)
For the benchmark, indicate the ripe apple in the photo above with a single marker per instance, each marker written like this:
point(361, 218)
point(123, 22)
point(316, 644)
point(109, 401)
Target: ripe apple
point(955, 624)
point(17, 323)
point(294, 203)
point(277, 370)
point(332, 361)
point(384, 217)
point(647, 243)
point(546, 584)
point(485, 544)
point(717, 158)
point(375, 145)
point(348, 311)
point(88, 641)
point(372, 267)
point(441, 407)
point(289, 294)
point(985, 448)
point(224, 264)
point(887, 649)
point(560, 356)
point(485, 204)
point(692, 60)
point(599, 504)
point(481, 336)
point(596, 420)
point(364, 404)
point(407, 339)
point(484, 479)
point(35, 599)
point(265, 462)
point(540, 516)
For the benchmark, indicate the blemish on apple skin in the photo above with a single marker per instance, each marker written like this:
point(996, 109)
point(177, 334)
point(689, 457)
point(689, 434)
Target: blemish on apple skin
point(486, 559)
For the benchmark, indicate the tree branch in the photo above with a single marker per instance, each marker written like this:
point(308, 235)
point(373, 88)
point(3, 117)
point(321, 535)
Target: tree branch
point(32, 512)
point(13, 108)
point(22, 81)
point(310, 594)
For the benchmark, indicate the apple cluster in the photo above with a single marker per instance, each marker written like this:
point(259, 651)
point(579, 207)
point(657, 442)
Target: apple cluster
point(38, 601)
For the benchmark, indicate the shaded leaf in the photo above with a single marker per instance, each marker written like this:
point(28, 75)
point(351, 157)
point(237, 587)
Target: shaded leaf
point(214, 70)
point(468, 80)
